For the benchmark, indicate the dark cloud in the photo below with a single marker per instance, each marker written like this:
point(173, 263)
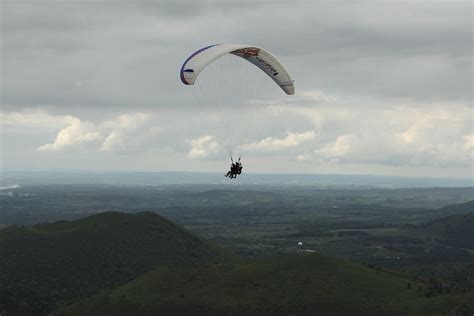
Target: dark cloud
point(112, 53)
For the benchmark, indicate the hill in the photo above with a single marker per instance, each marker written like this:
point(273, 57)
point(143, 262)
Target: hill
point(298, 284)
point(459, 208)
point(47, 262)
point(454, 230)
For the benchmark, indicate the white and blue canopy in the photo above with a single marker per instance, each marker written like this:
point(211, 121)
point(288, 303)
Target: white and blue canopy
point(260, 57)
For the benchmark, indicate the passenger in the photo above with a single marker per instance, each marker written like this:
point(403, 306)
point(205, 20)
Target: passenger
point(235, 169)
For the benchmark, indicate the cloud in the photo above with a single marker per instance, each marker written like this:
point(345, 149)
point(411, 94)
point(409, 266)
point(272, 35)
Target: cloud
point(372, 88)
point(110, 58)
point(125, 133)
point(128, 132)
point(203, 147)
point(274, 143)
point(337, 132)
point(314, 97)
point(469, 142)
point(114, 142)
point(328, 135)
point(27, 119)
point(77, 134)
point(398, 136)
point(332, 152)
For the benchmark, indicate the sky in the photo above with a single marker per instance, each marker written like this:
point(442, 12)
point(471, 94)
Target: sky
point(382, 87)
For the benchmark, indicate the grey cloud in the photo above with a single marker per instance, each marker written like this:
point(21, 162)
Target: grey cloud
point(116, 53)
point(352, 60)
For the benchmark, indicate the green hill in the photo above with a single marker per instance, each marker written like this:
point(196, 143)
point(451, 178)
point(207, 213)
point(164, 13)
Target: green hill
point(297, 284)
point(455, 230)
point(44, 263)
point(459, 208)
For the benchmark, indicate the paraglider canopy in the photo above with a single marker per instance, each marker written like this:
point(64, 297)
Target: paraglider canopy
point(260, 57)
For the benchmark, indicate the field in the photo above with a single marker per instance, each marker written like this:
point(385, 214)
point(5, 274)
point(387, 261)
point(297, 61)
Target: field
point(422, 236)
point(367, 225)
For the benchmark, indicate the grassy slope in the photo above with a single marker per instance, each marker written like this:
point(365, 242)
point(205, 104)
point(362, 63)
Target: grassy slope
point(459, 208)
point(295, 284)
point(456, 230)
point(60, 260)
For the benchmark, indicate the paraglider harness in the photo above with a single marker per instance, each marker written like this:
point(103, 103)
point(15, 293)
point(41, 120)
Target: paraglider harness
point(235, 169)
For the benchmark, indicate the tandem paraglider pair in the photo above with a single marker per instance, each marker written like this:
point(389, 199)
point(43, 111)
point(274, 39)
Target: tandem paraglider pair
point(235, 169)
point(257, 56)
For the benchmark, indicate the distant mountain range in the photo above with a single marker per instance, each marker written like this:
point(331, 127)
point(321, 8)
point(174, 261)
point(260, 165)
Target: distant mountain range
point(8, 178)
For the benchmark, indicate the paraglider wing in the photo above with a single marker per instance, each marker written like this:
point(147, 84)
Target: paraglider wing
point(260, 57)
